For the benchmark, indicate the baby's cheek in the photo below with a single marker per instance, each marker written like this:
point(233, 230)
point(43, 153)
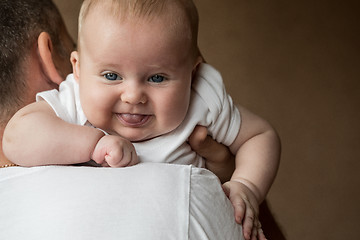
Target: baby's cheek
point(176, 114)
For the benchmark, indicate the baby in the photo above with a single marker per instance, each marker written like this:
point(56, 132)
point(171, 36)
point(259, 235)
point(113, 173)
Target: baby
point(138, 89)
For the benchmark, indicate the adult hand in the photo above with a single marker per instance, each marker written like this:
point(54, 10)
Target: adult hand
point(218, 157)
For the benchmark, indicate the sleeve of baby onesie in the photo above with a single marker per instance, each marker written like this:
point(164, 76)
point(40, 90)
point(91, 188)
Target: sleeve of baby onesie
point(65, 102)
point(223, 118)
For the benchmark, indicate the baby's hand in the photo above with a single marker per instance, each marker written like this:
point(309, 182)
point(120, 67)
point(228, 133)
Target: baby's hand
point(246, 209)
point(114, 151)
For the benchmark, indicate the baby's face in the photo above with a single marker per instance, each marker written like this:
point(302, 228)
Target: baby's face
point(134, 76)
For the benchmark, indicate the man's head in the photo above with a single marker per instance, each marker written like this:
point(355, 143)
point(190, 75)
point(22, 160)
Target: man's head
point(135, 64)
point(21, 23)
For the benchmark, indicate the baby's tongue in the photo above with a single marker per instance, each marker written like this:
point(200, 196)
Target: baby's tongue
point(132, 118)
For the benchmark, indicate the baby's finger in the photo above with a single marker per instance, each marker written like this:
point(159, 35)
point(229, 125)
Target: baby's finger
point(248, 222)
point(237, 202)
point(134, 159)
point(261, 235)
point(105, 164)
point(239, 208)
point(254, 234)
point(130, 158)
point(125, 159)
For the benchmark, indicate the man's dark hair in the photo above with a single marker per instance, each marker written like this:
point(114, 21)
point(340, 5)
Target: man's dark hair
point(21, 22)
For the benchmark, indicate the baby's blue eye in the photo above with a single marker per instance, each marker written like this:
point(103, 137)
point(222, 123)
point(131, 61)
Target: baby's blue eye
point(112, 76)
point(157, 78)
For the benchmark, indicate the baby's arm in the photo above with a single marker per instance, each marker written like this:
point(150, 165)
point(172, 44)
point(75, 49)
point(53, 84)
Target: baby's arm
point(36, 136)
point(257, 150)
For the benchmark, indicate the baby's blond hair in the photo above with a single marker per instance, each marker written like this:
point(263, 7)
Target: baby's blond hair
point(182, 12)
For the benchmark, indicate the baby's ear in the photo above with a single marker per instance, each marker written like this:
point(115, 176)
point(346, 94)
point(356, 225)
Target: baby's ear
point(46, 50)
point(75, 64)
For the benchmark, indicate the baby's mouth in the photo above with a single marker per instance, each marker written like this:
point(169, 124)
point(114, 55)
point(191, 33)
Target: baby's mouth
point(133, 120)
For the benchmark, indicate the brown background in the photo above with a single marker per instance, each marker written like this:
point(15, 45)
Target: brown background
point(296, 63)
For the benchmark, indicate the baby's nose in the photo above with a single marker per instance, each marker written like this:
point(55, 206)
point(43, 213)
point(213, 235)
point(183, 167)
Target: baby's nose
point(133, 94)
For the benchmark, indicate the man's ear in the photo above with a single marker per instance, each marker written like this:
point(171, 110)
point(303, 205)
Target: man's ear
point(75, 64)
point(196, 65)
point(45, 48)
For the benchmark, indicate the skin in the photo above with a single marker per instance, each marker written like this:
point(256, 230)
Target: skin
point(128, 88)
point(140, 93)
point(45, 69)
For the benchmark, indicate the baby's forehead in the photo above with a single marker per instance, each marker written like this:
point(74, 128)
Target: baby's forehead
point(171, 17)
point(173, 12)
point(175, 21)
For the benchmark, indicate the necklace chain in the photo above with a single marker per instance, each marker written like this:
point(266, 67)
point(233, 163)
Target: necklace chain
point(8, 165)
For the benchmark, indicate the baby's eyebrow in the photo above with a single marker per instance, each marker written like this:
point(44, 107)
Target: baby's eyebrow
point(154, 66)
point(109, 65)
point(162, 66)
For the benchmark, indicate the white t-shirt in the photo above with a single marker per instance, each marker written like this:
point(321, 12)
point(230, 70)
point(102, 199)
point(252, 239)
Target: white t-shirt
point(210, 106)
point(149, 201)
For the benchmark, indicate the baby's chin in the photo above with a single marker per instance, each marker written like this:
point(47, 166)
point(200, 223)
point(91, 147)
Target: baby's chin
point(137, 136)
